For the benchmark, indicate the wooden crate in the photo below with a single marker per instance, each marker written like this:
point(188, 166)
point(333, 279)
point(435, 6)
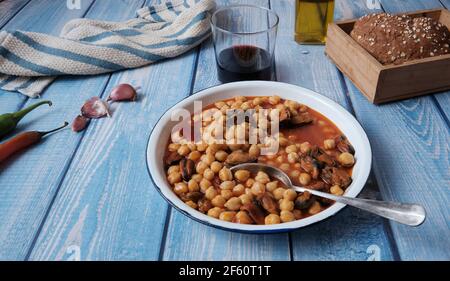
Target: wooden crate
point(384, 83)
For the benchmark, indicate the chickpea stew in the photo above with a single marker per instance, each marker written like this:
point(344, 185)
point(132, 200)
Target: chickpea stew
point(312, 151)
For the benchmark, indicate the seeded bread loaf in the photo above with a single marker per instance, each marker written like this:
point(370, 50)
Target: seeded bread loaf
point(397, 39)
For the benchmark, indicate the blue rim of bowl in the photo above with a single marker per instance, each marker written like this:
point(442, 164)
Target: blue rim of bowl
point(257, 231)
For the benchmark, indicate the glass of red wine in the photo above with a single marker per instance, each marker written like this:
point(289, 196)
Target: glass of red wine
point(244, 39)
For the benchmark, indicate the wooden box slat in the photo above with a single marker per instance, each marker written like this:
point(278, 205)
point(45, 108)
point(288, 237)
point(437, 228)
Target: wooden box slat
point(384, 83)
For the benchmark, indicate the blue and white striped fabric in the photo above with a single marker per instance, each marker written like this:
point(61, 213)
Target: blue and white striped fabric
point(30, 61)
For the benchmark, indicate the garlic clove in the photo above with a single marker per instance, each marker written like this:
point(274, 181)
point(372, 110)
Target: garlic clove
point(95, 108)
point(80, 123)
point(123, 92)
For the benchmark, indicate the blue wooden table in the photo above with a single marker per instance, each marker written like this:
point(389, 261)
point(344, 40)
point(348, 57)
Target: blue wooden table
point(88, 196)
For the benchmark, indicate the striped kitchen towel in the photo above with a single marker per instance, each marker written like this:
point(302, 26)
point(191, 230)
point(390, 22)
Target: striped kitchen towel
point(30, 61)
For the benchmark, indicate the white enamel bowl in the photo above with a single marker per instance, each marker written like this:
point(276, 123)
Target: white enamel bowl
point(343, 120)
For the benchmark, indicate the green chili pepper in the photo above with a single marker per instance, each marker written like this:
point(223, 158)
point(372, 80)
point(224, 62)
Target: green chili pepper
point(9, 121)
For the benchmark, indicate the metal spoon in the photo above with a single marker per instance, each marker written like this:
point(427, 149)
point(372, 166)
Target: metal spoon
point(409, 214)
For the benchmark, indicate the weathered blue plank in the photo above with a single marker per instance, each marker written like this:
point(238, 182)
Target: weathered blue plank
point(190, 240)
point(9, 8)
point(350, 233)
point(29, 180)
point(107, 206)
point(40, 16)
point(410, 142)
point(446, 3)
point(405, 6)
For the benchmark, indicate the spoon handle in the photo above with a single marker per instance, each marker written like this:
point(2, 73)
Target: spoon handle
point(409, 214)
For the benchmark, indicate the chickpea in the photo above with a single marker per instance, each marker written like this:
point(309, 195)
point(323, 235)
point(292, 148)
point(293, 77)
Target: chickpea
point(243, 217)
point(272, 219)
point(174, 178)
point(271, 186)
point(194, 155)
point(292, 157)
point(226, 193)
point(249, 183)
point(215, 212)
point(237, 105)
point(240, 99)
point(174, 147)
point(183, 150)
point(216, 166)
point(219, 104)
point(233, 204)
point(273, 100)
point(305, 147)
point(221, 155)
point(304, 179)
point(204, 185)
point(202, 147)
point(280, 159)
point(287, 216)
point(291, 148)
point(258, 188)
point(245, 199)
point(208, 159)
point(256, 101)
point(346, 159)
point(173, 169)
point(218, 201)
point(193, 186)
point(225, 174)
point(284, 141)
point(201, 167)
point(278, 193)
point(249, 192)
point(285, 167)
point(295, 174)
point(336, 190)
point(245, 106)
point(192, 146)
point(234, 147)
point(329, 144)
point(192, 204)
point(181, 188)
point(227, 216)
point(211, 192)
point(262, 177)
point(224, 109)
point(197, 177)
point(254, 151)
point(315, 208)
point(289, 194)
point(208, 174)
point(227, 185)
point(242, 175)
point(238, 190)
point(286, 205)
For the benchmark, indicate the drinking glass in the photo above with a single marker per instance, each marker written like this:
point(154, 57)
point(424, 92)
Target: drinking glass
point(244, 39)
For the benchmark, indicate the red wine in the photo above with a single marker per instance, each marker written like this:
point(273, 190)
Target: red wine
point(244, 62)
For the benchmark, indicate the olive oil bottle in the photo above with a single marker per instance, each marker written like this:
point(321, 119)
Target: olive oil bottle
point(311, 20)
